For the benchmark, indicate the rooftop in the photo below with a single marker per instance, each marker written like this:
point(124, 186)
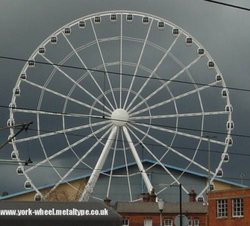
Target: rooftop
point(152, 207)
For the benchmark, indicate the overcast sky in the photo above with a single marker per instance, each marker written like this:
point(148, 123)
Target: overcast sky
point(222, 30)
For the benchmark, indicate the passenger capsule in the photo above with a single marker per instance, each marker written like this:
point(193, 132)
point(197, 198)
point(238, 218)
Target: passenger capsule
point(161, 25)
point(37, 197)
point(211, 187)
point(53, 40)
point(67, 30)
point(17, 91)
point(41, 50)
point(229, 141)
point(97, 20)
point(189, 41)
point(175, 31)
point(31, 63)
point(230, 125)
point(201, 51)
point(219, 173)
point(10, 122)
point(12, 105)
point(11, 139)
point(27, 184)
point(81, 24)
point(23, 76)
point(229, 108)
point(129, 17)
point(224, 92)
point(145, 20)
point(225, 157)
point(19, 170)
point(113, 17)
point(218, 77)
point(14, 155)
point(210, 64)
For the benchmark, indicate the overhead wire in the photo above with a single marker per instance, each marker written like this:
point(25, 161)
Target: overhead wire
point(101, 118)
point(228, 5)
point(102, 72)
point(105, 118)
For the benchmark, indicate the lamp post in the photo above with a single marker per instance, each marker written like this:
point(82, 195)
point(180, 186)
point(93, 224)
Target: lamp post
point(160, 206)
point(180, 191)
point(180, 201)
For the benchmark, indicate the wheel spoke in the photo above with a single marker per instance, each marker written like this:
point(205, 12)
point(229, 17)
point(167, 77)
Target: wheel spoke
point(63, 131)
point(76, 83)
point(67, 148)
point(65, 114)
point(104, 64)
point(62, 179)
point(173, 99)
point(66, 97)
point(166, 84)
point(164, 129)
point(152, 73)
point(172, 149)
point(194, 114)
point(156, 159)
point(121, 60)
point(138, 63)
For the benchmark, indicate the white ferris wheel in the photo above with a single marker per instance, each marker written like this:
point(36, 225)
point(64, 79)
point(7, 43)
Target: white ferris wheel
point(117, 87)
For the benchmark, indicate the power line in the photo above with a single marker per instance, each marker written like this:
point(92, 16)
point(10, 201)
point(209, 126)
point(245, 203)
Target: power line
point(138, 123)
point(24, 126)
point(228, 5)
point(124, 74)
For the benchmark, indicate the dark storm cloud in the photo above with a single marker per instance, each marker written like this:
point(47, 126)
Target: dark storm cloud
point(223, 31)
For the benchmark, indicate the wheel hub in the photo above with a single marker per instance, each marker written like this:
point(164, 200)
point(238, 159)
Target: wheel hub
point(120, 117)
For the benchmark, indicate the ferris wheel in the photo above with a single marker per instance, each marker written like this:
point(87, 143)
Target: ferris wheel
point(115, 88)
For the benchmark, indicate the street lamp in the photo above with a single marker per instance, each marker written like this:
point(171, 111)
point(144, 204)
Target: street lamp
point(180, 201)
point(180, 191)
point(160, 206)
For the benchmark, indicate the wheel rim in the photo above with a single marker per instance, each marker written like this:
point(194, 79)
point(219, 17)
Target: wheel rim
point(151, 105)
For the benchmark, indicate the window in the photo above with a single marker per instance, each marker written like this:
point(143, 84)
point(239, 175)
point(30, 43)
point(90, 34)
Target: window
point(196, 222)
point(125, 221)
point(168, 222)
point(190, 222)
point(221, 208)
point(148, 222)
point(237, 207)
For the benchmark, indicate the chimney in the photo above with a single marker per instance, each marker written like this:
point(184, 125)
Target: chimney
point(192, 196)
point(107, 201)
point(152, 196)
point(145, 197)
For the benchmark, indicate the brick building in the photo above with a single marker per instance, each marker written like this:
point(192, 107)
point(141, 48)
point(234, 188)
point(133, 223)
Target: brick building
point(147, 213)
point(229, 207)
